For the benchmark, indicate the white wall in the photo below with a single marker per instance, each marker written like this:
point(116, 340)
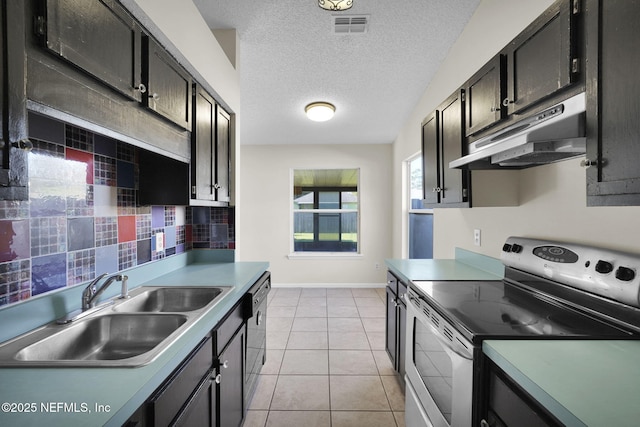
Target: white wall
point(552, 198)
point(266, 210)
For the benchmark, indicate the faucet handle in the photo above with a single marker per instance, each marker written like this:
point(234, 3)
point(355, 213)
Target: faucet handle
point(90, 291)
point(94, 282)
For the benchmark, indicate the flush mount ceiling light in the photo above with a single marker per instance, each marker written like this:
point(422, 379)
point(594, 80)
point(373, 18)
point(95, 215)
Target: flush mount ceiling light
point(335, 4)
point(320, 111)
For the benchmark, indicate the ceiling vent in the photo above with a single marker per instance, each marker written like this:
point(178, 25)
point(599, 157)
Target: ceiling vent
point(350, 24)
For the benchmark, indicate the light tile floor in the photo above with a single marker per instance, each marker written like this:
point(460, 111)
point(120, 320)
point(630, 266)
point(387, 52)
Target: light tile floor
point(326, 363)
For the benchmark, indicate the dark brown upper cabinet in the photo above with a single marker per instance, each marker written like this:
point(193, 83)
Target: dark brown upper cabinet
point(168, 85)
point(210, 160)
point(543, 60)
point(442, 142)
point(203, 147)
point(540, 63)
point(13, 117)
point(485, 92)
point(613, 103)
point(223, 155)
point(99, 37)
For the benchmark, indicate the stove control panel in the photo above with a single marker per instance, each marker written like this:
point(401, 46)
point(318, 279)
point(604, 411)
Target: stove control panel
point(608, 273)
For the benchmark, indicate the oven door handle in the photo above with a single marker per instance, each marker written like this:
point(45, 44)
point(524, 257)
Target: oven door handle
point(462, 351)
point(451, 345)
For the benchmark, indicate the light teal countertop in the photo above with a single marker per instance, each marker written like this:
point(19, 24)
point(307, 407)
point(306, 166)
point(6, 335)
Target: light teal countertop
point(581, 382)
point(72, 396)
point(466, 266)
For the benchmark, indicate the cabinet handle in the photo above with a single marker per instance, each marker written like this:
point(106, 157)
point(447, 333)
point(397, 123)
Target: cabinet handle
point(506, 102)
point(588, 163)
point(217, 379)
point(484, 423)
point(436, 190)
point(259, 322)
point(225, 364)
point(141, 88)
point(155, 96)
point(494, 109)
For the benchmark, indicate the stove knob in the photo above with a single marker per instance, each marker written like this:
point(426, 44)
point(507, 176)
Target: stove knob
point(506, 247)
point(625, 274)
point(604, 267)
point(516, 248)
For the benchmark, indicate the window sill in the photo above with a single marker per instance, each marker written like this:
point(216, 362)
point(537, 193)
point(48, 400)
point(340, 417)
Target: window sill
point(324, 255)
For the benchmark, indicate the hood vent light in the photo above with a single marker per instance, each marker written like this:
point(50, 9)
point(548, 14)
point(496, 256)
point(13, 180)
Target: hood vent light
point(350, 24)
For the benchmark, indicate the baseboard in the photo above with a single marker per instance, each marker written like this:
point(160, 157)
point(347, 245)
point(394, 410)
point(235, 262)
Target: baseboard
point(328, 285)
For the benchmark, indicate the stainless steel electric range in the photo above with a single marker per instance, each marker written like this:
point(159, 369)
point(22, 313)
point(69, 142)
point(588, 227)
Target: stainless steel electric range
point(551, 290)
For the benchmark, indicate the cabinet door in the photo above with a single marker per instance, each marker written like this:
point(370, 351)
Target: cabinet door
point(230, 388)
point(402, 338)
point(430, 157)
point(174, 394)
point(391, 327)
point(512, 406)
point(454, 182)
point(168, 84)
point(485, 92)
point(13, 117)
point(198, 412)
point(99, 37)
point(203, 148)
point(539, 61)
point(613, 102)
point(402, 328)
point(223, 159)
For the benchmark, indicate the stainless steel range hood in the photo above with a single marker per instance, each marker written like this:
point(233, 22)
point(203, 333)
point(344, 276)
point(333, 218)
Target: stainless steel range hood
point(554, 134)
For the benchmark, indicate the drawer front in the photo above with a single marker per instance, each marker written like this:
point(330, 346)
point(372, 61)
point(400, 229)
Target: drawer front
point(392, 282)
point(171, 397)
point(225, 331)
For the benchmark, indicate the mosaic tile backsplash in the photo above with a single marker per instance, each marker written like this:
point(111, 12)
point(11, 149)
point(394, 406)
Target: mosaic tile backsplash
point(82, 220)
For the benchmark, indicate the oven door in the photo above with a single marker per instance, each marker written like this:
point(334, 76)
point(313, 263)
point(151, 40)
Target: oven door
point(439, 369)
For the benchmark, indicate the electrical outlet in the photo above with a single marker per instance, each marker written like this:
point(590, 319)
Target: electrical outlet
point(476, 237)
point(377, 266)
point(159, 242)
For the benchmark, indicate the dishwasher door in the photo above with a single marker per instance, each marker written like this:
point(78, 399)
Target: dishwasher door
point(256, 310)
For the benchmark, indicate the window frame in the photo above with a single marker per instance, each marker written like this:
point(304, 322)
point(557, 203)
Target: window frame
point(407, 199)
point(324, 254)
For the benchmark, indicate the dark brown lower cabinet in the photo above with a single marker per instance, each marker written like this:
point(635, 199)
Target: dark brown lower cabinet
point(396, 320)
point(510, 406)
point(231, 382)
point(199, 410)
point(176, 401)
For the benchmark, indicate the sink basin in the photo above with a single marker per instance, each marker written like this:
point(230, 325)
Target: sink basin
point(103, 338)
point(118, 333)
point(170, 299)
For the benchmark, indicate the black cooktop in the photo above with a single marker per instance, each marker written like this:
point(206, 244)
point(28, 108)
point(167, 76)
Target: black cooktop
point(498, 309)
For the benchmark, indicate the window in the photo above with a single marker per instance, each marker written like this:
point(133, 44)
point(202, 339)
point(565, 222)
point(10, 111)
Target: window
point(325, 210)
point(420, 220)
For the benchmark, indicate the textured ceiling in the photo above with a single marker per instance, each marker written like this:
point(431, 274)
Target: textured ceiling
point(289, 57)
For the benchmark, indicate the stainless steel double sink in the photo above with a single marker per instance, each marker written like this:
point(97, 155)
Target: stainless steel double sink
point(120, 333)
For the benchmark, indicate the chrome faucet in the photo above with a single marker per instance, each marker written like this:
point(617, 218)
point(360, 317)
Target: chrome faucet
point(91, 293)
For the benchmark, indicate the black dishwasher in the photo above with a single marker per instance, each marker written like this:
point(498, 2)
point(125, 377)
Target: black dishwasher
point(256, 312)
